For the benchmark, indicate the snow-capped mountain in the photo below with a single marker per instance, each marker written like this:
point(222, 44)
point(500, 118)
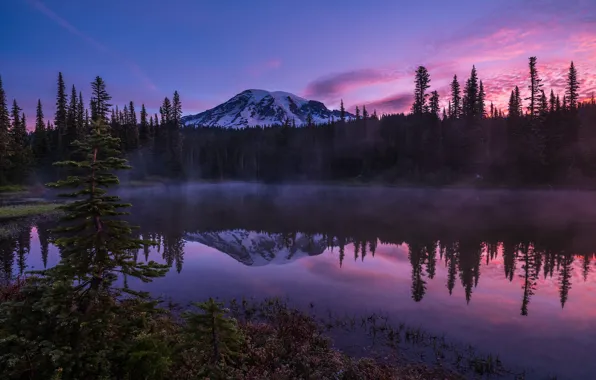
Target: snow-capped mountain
point(260, 107)
point(260, 248)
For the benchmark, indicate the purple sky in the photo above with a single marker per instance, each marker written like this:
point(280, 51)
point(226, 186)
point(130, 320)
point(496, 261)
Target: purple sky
point(363, 52)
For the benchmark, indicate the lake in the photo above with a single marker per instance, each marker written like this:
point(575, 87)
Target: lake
point(510, 272)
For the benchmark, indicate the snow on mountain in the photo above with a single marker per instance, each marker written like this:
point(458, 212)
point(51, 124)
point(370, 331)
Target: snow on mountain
point(260, 248)
point(260, 107)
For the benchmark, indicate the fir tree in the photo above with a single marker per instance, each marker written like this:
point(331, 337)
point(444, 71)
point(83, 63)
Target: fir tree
point(144, 126)
point(470, 99)
point(518, 102)
point(22, 157)
point(100, 100)
point(422, 83)
point(166, 111)
point(211, 328)
point(40, 137)
point(492, 110)
point(535, 88)
point(96, 244)
point(5, 145)
point(176, 111)
point(342, 112)
point(552, 102)
point(456, 101)
point(357, 113)
point(80, 116)
point(481, 101)
point(365, 112)
point(71, 132)
point(543, 105)
point(572, 88)
point(309, 120)
point(434, 104)
point(558, 104)
point(61, 115)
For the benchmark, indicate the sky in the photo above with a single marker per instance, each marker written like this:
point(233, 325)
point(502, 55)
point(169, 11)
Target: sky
point(365, 53)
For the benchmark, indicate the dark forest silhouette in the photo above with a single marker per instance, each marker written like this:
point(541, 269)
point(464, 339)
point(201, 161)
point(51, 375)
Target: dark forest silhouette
point(544, 139)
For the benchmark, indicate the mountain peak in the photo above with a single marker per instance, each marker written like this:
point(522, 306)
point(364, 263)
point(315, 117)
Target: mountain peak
point(254, 107)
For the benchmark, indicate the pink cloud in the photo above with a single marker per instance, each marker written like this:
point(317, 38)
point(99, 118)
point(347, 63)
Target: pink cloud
point(334, 85)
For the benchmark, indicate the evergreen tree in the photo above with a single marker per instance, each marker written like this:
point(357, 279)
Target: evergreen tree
point(309, 120)
point(558, 104)
point(535, 89)
point(518, 102)
point(40, 137)
point(572, 88)
point(80, 117)
point(422, 83)
point(61, 115)
point(365, 112)
point(357, 113)
point(5, 145)
point(166, 111)
point(176, 111)
point(543, 105)
point(434, 104)
point(71, 132)
point(99, 100)
point(456, 101)
point(481, 101)
point(342, 112)
point(21, 159)
point(144, 126)
point(470, 99)
point(552, 102)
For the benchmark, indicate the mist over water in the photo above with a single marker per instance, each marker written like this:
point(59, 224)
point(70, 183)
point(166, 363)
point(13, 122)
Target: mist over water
point(511, 272)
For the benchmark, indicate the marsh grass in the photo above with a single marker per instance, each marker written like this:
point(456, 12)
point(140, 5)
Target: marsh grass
point(24, 210)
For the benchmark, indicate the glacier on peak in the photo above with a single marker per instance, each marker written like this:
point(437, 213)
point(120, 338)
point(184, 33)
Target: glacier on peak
point(260, 107)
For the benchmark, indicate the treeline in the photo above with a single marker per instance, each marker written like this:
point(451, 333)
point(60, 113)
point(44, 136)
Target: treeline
point(538, 140)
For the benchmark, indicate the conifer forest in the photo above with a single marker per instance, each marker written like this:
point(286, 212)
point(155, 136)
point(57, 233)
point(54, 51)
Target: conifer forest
point(539, 139)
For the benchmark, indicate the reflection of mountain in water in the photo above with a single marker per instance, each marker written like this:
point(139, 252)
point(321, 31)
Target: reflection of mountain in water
point(262, 248)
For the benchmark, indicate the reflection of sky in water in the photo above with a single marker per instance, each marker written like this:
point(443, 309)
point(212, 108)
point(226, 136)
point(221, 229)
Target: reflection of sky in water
point(563, 339)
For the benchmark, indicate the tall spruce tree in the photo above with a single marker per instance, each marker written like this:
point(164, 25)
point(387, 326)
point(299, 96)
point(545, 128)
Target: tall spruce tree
point(422, 83)
point(552, 102)
point(342, 111)
point(144, 126)
point(364, 113)
point(470, 99)
point(71, 132)
point(535, 88)
point(61, 115)
point(80, 117)
point(40, 138)
point(99, 100)
point(357, 113)
point(456, 101)
point(21, 159)
point(434, 104)
point(572, 88)
point(481, 101)
point(5, 144)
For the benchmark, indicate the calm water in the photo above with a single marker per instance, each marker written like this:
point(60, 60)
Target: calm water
point(512, 273)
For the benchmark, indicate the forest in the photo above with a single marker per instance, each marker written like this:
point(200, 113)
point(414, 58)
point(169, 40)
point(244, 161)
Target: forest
point(543, 139)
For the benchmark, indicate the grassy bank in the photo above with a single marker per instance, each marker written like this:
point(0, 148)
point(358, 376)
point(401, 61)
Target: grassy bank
point(25, 210)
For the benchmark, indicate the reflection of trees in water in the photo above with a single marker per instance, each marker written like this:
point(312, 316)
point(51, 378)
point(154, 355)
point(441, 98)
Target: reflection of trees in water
point(462, 256)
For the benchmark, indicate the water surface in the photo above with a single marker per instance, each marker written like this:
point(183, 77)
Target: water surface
point(509, 272)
